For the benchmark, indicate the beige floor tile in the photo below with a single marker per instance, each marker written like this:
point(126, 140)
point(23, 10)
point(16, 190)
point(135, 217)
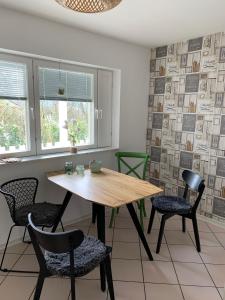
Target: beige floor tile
point(123, 212)
point(202, 226)
point(174, 224)
point(162, 291)
point(193, 274)
point(159, 272)
point(197, 293)
point(218, 274)
point(125, 235)
point(159, 275)
point(163, 255)
point(127, 270)
point(184, 253)
point(178, 238)
point(124, 223)
point(108, 233)
point(30, 250)
point(86, 223)
point(107, 222)
point(9, 260)
point(155, 225)
point(213, 255)
point(176, 217)
point(152, 238)
point(18, 288)
point(27, 262)
point(15, 249)
point(55, 288)
point(95, 274)
point(221, 237)
point(2, 277)
point(126, 250)
point(206, 239)
point(89, 289)
point(221, 291)
point(215, 228)
point(83, 228)
point(128, 291)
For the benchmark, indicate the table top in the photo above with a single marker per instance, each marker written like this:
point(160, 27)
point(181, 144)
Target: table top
point(108, 187)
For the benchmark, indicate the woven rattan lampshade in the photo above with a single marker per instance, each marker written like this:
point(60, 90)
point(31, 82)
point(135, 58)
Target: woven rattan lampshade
point(89, 6)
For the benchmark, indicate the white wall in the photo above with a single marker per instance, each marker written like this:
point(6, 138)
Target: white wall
point(34, 35)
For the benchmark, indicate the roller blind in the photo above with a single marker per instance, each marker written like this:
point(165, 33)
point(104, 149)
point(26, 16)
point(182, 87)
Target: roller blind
point(76, 86)
point(13, 81)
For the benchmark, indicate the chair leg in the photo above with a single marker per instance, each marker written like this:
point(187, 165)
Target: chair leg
point(73, 293)
point(113, 212)
point(195, 227)
point(62, 226)
point(141, 215)
point(183, 224)
point(6, 245)
point(161, 231)
point(39, 287)
point(151, 219)
point(144, 209)
point(109, 277)
point(102, 277)
point(24, 234)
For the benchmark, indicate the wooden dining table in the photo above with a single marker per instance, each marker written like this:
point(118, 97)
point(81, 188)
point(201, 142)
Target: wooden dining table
point(107, 188)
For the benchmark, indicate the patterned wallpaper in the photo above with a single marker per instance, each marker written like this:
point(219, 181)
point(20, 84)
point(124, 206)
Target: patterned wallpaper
point(186, 118)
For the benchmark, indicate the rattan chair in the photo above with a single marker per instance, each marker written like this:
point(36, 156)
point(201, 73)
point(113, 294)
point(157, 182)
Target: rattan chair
point(20, 196)
point(170, 206)
point(68, 254)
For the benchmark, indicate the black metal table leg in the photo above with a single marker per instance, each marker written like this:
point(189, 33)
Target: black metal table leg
point(134, 217)
point(94, 213)
point(62, 210)
point(101, 222)
point(100, 209)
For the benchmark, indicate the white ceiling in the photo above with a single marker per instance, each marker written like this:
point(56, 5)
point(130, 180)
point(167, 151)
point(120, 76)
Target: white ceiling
point(145, 22)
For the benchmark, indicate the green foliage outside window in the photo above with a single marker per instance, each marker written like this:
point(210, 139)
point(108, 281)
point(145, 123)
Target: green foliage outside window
point(77, 131)
point(13, 118)
point(12, 123)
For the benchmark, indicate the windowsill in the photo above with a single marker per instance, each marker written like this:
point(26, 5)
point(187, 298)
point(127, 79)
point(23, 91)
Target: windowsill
point(57, 155)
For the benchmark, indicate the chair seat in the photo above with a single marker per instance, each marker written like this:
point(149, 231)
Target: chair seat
point(43, 214)
point(171, 204)
point(87, 256)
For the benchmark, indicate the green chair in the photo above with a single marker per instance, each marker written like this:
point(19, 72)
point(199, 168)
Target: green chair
point(143, 159)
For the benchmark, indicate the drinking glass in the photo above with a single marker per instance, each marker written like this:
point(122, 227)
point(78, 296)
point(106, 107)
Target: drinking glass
point(69, 167)
point(80, 169)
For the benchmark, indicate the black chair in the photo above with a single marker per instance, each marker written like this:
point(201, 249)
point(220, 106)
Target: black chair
point(20, 196)
point(68, 254)
point(169, 206)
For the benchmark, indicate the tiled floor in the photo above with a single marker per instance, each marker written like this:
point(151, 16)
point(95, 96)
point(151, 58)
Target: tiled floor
point(179, 272)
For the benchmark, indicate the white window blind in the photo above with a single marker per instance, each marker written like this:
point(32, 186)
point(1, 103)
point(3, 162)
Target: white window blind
point(13, 83)
point(77, 86)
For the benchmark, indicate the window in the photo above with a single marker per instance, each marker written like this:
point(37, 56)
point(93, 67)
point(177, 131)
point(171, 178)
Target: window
point(46, 106)
point(66, 108)
point(14, 106)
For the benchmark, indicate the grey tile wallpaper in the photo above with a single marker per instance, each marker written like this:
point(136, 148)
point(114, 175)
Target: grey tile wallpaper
point(186, 118)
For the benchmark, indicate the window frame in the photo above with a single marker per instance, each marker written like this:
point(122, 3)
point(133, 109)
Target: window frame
point(30, 106)
point(33, 63)
point(64, 67)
